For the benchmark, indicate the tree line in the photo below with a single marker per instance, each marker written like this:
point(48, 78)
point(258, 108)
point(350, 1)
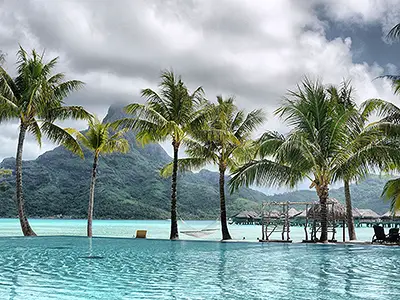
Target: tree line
point(331, 139)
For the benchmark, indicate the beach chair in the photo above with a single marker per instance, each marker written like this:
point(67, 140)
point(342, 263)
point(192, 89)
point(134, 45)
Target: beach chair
point(394, 235)
point(379, 236)
point(141, 234)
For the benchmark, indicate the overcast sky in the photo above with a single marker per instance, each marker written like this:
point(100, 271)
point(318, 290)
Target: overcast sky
point(255, 50)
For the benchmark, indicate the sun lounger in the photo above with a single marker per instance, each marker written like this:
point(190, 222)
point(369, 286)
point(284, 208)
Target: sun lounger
point(394, 235)
point(379, 236)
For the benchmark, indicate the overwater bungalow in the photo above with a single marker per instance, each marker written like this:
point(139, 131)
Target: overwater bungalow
point(366, 217)
point(246, 218)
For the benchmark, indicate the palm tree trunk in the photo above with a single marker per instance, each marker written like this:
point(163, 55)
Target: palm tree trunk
point(25, 226)
point(91, 196)
point(323, 193)
point(224, 224)
point(174, 222)
point(349, 211)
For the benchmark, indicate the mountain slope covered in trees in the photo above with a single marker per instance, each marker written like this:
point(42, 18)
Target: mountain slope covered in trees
point(130, 187)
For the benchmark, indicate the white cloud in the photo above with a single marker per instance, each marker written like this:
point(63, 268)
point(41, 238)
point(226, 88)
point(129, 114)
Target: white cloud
point(255, 50)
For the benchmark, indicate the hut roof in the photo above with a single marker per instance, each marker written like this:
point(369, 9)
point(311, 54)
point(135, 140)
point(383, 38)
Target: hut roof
point(247, 214)
point(338, 212)
point(356, 213)
point(389, 215)
point(303, 214)
point(294, 212)
point(368, 214)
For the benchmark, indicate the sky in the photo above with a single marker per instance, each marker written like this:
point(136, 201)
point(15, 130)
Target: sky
point(255, 50)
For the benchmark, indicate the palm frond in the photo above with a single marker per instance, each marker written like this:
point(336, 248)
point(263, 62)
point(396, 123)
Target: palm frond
point(34, 129)
point(391, 192)
point(394, 33)
point(58, 136)
point(184, 165)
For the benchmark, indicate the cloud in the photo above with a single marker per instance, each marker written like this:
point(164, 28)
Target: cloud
point(255, 50)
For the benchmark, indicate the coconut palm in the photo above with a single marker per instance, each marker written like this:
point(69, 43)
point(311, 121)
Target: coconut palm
point(172, 113)
point(368, 147)
point(225, 141)
point(308, 151)
point(35, 97)
point(391, 192)
point(99, 140)
point(393, 35)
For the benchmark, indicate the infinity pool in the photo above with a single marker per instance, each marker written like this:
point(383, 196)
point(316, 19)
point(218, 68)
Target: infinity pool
point(114, 268)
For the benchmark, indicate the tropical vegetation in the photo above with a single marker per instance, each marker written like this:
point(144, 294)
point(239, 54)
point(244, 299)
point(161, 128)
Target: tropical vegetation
point(331, 139)
point(224, 140)
point(99, 140)
point(173, 114)
point(35, 97)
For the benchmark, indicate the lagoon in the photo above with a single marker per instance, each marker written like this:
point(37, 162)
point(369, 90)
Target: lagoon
point(158, 229)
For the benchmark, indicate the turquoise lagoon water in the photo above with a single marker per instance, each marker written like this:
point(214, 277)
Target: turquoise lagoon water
point(119, 268)
point(156, 229)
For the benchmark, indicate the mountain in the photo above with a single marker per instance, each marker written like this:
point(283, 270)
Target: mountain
point(128, 186)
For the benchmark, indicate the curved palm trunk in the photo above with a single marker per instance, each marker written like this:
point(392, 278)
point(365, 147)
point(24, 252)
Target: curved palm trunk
point(224, 224)
point(174, 223)
point(91, 196)
point(323, 194)
point(25, 226)
point(349, 211)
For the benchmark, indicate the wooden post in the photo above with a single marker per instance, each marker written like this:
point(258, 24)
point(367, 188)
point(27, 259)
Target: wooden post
point(262, 222)
point(306, 223)
point(284, 222)
point(288, 222)
point(344, 231)
point(333, 222)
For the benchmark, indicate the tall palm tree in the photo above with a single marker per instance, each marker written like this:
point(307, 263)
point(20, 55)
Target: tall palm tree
point(368, 147)
point(35, 97)
point(172, 113)
point(224, 141)
point(309, 150)
point(99, 140)
point(329, 141)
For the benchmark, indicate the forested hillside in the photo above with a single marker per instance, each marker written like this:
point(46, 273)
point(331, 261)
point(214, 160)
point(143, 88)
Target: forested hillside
point(130, 187)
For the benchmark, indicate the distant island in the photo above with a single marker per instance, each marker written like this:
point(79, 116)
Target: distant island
point(130, 187)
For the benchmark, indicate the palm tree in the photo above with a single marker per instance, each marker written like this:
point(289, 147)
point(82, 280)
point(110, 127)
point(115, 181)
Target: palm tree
point(309, 150)
point(368, 146)
point(225, 141)
point(393, 35)
point(35, 97)
point(391, 192)
point(172, 113)
point(98, 140)
point(329, 142)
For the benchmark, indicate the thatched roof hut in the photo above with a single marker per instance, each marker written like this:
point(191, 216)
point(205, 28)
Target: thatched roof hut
point(338, 212)
point(389, 216)
point(246, 214)
point(293, 212)
point(302, 215)
point(356, 213)
point(368, 214)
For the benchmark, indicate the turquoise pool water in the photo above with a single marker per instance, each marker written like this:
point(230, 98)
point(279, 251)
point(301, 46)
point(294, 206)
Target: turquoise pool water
point(115, 268)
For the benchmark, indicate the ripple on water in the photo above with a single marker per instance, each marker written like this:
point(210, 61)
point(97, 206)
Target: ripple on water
point(78, 268)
